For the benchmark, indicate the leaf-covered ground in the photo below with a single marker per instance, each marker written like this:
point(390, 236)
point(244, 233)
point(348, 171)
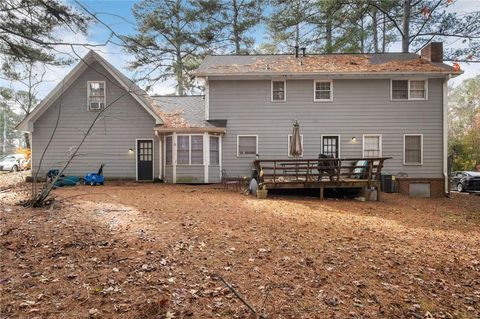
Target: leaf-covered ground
point(156, 251)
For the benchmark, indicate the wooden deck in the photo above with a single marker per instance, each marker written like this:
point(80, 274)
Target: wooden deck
point(321, 173)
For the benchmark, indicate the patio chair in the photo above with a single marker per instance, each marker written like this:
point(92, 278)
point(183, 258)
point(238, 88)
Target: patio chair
point(228, 180)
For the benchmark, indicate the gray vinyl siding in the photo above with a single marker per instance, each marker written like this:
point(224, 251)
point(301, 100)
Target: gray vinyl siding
point(190, 174)
point(168, 174)
point(214, 174)
point(110, 140)
point(359, 107)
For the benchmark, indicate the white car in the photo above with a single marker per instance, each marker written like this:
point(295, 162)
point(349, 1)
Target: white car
point(10, 163)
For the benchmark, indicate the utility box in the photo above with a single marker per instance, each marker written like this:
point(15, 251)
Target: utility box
point(388, 183)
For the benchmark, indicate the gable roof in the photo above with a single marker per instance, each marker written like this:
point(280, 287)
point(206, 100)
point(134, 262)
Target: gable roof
point(282, 64)
point(134, 90)
point(182, 112)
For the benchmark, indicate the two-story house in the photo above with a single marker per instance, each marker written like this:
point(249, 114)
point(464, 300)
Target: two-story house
point(347, 105)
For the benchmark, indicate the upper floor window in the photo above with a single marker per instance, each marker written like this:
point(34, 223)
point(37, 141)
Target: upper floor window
point(278, 91)
point(96, 95)
point(323, 91)
point(409, 90)
point(247, 145)
point(372, 145)
point(413, 149)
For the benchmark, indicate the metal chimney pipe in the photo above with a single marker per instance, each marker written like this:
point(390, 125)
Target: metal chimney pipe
point(303, 51)
point(296, 51)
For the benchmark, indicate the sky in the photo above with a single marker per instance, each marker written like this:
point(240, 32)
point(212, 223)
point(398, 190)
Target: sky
point(118, 15)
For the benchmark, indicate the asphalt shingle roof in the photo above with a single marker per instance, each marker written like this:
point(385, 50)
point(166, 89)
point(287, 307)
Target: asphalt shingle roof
point(320, 63)
point(187, 111)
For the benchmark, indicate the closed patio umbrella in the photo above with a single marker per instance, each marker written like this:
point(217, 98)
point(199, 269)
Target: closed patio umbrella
point(296, 147)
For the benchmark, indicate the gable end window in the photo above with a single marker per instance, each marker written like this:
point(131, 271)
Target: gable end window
point(323, 91)
point(96, 95)
point(413, 149)
point(247, 145)
point(278, 91)
point(409, 89)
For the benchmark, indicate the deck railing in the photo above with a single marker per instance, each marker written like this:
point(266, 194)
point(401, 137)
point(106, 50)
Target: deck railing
point(323, 171)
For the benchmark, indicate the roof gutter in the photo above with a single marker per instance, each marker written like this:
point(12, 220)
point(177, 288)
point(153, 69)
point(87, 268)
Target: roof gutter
point(280, 74)
point(218, 130)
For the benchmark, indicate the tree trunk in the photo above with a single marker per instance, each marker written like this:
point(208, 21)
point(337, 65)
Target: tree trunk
point(179, 74)
point(328, 35)
point(406, 25)
point(384, 34)
point(5, 123)
point(236, 34)
point(26, 137)
point(362, 36)
point(375, 30)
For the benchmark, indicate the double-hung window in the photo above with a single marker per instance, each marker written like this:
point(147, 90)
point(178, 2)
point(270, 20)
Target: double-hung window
point(372, 145)
point(413, 149)
point(247, 145)
point(279, 91)
point(323, 91)
point(168, 150)
point(189, 149)
point(96, 95)
point(214, 150)
point(409, 90)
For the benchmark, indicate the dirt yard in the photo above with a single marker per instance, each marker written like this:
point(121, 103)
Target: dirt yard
point(157, 251)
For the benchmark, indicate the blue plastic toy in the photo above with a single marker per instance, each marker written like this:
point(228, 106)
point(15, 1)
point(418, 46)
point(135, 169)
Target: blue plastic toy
point(94, 179)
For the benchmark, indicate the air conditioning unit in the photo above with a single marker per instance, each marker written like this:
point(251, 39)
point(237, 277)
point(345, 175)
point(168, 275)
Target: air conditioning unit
point(96, 105)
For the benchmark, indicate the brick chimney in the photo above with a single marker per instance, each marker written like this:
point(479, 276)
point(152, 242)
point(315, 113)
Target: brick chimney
point(433, 52)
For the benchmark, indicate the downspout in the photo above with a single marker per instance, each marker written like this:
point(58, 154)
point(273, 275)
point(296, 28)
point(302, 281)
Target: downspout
point(445, 136)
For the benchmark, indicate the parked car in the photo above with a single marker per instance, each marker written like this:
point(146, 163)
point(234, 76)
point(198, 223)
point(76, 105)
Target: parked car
point(464, 181)
point(10, 163)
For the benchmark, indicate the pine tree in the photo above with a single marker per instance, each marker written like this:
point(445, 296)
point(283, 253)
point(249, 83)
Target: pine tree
point(27, 28)
point(172, 37)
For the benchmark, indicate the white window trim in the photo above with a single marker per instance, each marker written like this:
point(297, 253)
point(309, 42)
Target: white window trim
point(189, 150)
point(238, 146)
point(288, 145)
point(379, 141)
point(338, 146)
point(408, 89)
point(315, 87)
point(104, 95)
point(284, 91)
point(136, 156)
point(210, 147)
point(421, 150)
